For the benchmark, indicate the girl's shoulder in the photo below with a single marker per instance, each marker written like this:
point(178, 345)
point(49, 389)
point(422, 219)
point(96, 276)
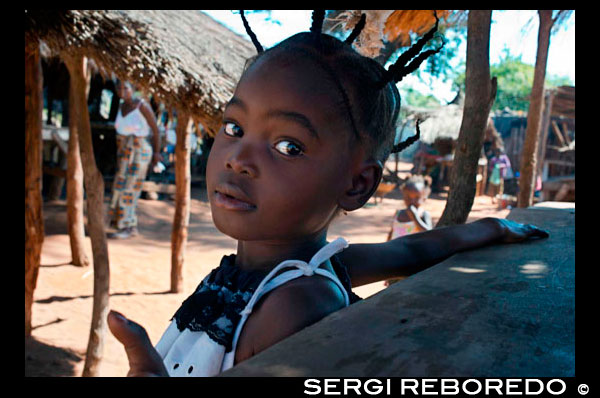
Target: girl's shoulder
point(289, 309)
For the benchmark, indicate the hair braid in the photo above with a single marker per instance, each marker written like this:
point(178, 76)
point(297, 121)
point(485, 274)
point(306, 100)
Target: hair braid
point(357, 29)
point(317, 22)
point(407, 142)
point(414, 64)
point(259, 47)
point(398, 70)
point(371, 104)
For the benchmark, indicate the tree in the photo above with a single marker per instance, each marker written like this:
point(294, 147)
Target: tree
point(534, 115)
point(480, 92)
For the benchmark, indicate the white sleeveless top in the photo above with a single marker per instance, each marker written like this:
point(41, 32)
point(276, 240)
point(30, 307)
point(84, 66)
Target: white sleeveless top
point(195, 353)
point(134, 123)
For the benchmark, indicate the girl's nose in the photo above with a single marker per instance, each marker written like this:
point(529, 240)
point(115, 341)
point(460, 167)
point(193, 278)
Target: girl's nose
point(241, 161)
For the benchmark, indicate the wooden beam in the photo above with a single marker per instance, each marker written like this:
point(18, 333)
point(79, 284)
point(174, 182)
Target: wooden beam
point(549, 99)
point(566, 133)
point(558, 133)
point(54, 171)
point(151, 186)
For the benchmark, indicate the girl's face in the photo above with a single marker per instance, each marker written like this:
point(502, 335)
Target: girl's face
point(413, 196)
point(282, 157)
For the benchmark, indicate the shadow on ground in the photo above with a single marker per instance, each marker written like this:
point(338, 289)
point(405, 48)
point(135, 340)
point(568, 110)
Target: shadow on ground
point(43, 360)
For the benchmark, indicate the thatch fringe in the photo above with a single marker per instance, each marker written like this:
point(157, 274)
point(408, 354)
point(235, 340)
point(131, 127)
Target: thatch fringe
point(183, 58)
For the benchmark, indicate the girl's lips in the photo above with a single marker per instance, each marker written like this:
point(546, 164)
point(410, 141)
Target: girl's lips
point(228, 202)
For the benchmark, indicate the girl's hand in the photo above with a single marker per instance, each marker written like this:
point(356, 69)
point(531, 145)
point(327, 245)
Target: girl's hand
point(143, 358)
point(413, 209)
point(514, 232)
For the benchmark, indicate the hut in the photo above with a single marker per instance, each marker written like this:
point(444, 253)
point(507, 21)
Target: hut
point(556, 167)
point(184, 59)
point(440, 128)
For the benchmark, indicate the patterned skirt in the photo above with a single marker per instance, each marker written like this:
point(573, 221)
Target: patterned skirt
point(133, 158)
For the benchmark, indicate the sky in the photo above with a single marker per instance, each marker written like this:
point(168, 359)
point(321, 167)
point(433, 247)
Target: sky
point(513, 29)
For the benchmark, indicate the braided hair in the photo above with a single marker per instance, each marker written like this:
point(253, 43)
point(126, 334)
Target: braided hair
point(369, 96)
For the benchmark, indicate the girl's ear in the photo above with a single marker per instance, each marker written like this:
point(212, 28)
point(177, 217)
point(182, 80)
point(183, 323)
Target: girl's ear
point(364, 184)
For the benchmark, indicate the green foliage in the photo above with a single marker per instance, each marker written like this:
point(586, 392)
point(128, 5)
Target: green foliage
point(414, 98)
point(515, 79)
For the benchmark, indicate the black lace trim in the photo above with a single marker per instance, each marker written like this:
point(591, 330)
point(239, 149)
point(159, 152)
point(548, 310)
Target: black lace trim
point(215, 305)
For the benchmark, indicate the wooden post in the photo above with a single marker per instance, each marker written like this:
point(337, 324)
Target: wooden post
point(94, 186)
point(75, 219)
point(34, 221)
point(182, 200)
point(549, 98)
point(528, 166)
point(558, 134)
point(566, 131)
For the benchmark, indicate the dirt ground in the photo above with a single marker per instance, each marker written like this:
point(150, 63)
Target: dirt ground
point(140, 275)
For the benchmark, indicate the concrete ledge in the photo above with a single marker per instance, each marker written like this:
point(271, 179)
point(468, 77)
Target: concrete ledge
point(500, 311)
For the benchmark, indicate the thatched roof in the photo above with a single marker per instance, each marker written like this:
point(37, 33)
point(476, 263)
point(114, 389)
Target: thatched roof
point(184, 58)
point(440, 122)
point(401, 22)
point(388, 26)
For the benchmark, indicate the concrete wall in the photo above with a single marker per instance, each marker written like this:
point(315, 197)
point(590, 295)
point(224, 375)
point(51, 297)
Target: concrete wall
point(504, 310)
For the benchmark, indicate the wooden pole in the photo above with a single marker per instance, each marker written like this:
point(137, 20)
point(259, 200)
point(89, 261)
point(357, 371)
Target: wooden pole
point(34, 221)
point(558, 134)
point(182, 200)
point(75, 219)
point(94, 186)
point(549, 98)
point(528, 166)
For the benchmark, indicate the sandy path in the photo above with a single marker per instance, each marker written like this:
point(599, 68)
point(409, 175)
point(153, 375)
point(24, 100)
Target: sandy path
point(140, 275)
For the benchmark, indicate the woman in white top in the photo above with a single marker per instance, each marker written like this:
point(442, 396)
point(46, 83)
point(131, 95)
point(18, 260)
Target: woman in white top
point(134, 122)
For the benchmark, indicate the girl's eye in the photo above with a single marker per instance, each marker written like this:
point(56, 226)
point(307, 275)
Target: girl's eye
point(288, 148)
point(233, 130)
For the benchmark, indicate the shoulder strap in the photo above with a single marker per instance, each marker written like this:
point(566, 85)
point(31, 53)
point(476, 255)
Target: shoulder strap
point(270, 282)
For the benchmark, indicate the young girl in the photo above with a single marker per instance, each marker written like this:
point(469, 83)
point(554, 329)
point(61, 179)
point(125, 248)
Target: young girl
point(304, 137)
point(414, 218)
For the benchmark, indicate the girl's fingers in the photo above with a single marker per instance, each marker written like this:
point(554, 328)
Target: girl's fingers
point(142, 356)
point(537, 232)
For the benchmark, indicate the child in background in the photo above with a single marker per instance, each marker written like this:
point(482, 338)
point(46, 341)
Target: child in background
point(304, 137)
point(499, 166)
point(414, 218)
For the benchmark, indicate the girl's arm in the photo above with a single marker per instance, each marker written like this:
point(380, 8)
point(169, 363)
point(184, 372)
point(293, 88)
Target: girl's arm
point(407, 255)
